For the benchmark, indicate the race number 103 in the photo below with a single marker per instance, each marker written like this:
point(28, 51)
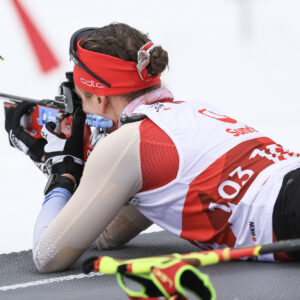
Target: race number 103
point(230, 188)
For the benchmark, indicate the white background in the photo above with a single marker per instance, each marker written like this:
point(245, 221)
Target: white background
point(240, 55)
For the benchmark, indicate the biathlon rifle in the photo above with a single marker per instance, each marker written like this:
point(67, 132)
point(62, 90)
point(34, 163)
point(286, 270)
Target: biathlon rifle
point(157, 274)
point(58, 110)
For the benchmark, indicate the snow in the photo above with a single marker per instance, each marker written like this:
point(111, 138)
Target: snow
point(239, 55)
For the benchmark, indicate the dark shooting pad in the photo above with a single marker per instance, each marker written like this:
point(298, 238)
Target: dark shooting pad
point(239, 280)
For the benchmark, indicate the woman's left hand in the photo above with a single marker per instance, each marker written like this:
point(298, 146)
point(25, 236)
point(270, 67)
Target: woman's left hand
point(65, 156)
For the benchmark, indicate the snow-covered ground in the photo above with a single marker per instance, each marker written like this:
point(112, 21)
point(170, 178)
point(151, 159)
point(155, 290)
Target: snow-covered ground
point(240, 55)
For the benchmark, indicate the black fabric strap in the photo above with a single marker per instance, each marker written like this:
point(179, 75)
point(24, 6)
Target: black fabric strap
point(59, 181)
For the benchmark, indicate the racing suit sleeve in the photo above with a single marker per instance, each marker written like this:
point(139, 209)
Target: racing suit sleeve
point(126, 225)
point(112, 175)
point(53, 203)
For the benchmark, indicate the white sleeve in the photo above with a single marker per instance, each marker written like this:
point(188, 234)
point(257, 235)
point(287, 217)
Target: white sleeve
point(126, 225)
point(111, 176)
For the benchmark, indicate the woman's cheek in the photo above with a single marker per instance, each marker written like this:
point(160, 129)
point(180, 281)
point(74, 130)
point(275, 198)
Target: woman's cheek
point(86, 107)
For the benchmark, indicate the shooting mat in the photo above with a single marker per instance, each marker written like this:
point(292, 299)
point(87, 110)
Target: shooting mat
point(239, 280)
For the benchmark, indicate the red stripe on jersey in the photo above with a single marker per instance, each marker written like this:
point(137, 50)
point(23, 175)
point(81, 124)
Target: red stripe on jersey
point(159, 156)
point(214, 193)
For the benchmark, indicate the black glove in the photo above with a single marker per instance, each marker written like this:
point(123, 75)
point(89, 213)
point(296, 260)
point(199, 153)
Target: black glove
point(19, 138)
point(65, 155)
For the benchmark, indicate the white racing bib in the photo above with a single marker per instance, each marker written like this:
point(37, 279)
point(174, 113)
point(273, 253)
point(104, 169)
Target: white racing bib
point(228, 179)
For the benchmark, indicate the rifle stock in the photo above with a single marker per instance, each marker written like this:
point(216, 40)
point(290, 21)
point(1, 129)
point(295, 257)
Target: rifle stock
point(58, 110)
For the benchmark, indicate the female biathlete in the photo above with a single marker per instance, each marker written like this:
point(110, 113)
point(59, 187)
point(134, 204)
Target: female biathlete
point(186, 166)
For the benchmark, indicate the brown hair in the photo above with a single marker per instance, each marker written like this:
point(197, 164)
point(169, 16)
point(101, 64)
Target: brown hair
point(122, 41)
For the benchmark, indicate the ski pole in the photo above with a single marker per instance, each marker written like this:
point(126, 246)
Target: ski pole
point(109, 265)
point(157, 274)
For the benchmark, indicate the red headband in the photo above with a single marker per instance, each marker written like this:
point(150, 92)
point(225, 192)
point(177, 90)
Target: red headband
point(124, 76)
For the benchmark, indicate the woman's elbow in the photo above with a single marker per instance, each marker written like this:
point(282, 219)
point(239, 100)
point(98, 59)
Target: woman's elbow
point(47, 262)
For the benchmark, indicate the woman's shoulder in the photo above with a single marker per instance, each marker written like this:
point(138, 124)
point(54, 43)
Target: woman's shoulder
point(121, 141)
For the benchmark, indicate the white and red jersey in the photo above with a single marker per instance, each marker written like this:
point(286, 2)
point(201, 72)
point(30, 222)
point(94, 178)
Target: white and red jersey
point(227, 180)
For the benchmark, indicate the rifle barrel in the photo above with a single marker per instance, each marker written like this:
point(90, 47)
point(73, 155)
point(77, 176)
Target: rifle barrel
point(17, 98)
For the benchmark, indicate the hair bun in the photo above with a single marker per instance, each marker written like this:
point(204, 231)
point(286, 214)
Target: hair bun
point(158, 61)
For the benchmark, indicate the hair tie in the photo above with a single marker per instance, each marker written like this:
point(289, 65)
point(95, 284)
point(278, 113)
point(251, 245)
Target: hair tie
point(143, 60)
